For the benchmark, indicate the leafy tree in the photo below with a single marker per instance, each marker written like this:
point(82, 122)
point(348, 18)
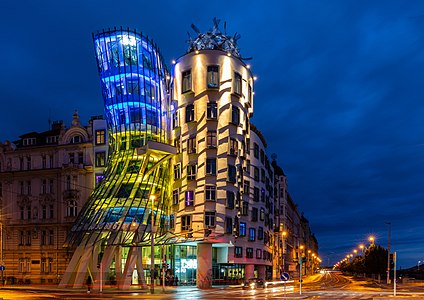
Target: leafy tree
point(375, 260)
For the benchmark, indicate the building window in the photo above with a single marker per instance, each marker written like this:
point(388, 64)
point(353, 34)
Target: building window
point(189, 113)
point(232, 147)
point(211, 166)
point(210, 193)
point(242, 229)
point(75, 139)
point(244, 208)
point(28, 161)
point(256, 173)
point(254, 214)
point(191, 145)
point(43, 237)
point(260, 233)
point(235, 115)
point(211, 139)
point(262, 214)
point(262, 195)
point(51, 161)
point(191, 172)
point(44, 162)
point(28, 238)
point(237, 84)
point(263, 175)
point(255, 150)
point(51, 211)
point(210, 218)
point(189, 198)
point(29, 141)
point(185, 222)
point(175, 196)
point(252, 234)
point(228, 225)
point(262, 153)
point(177, 171)
point(100, 159)
point(230, 200)
point(231, 173)
point(29, 190)
point(186, 81)
point(256, 194)
point(212, 111)
point(177, 144)
point(100, 137)
point(247, 169)
point(238, 251)
point(44, 212)
point(171, 221)
point(213, 77)
point(259, 253)
point(175, 121)
point(72, 208)
point(249, 95)
point(249, 252)
point(71, 157)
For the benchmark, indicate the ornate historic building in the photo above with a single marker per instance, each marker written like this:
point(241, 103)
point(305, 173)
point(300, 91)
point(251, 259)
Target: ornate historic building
point(45, 178)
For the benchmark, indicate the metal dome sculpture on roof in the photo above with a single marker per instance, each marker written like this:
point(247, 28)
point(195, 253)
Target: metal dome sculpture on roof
point(214, 39)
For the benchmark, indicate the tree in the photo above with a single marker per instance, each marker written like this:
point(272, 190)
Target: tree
point(375, 260)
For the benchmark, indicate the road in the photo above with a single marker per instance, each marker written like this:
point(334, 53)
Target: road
point(320, 286)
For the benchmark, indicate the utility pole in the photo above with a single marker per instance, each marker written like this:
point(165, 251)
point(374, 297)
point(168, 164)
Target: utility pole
point(388, 252)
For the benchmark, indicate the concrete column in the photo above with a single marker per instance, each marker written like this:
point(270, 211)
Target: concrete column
point(249, 271)
point(261, 271)
point(204, 266)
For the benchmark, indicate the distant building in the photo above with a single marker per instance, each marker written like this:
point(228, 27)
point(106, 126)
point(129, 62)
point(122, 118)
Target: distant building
point(45, 179)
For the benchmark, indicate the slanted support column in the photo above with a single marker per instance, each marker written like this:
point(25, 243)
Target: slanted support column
point(204, 265)
point(249, 271)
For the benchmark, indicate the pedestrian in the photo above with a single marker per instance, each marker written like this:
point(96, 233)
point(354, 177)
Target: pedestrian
point(89, 282)
point(176, 280)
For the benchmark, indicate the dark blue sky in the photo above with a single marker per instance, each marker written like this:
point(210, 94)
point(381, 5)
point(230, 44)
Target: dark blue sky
point(339, 96)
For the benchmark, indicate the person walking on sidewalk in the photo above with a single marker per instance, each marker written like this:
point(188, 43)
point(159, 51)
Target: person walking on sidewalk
point(89, 282)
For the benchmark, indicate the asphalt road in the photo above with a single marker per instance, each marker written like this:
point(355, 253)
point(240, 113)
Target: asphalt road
point(320, 286)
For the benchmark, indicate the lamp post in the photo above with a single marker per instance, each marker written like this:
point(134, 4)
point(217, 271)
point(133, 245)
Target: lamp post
point(284, 250)
point(371, 239)
point(152, 247)
point(388, 251)
point(361, 246)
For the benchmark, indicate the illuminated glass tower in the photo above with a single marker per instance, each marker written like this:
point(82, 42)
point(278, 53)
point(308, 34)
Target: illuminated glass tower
point(116, 220)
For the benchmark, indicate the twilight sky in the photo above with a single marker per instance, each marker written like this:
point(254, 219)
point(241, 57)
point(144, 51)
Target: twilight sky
point(339, 95)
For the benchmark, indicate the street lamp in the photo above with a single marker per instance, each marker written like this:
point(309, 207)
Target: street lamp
point(361, 246)
point(284, 233)
point(371, 239)
point(152, 246)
